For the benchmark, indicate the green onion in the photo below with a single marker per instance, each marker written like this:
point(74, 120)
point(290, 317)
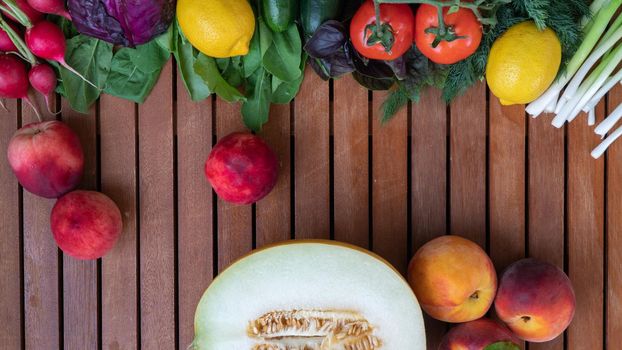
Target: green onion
point(594, 31)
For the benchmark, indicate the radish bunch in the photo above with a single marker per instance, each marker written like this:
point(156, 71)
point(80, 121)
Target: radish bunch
point(23, 57)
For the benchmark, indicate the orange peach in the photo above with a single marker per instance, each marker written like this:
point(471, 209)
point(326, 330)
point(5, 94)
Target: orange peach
point(535, 300)
point(453, 279)
point(477, 335)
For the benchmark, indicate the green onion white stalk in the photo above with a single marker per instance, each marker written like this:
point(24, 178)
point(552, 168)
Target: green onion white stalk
point(606, 125)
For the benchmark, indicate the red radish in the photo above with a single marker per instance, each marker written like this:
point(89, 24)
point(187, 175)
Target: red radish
point(53, 7)
point(46, 40)
point(6, 44)
point(14, 80)
point(43, 79)
point(34, 15)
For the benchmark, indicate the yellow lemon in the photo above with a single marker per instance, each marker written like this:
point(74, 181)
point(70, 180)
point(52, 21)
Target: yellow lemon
point(217, 28)
point(523, 63)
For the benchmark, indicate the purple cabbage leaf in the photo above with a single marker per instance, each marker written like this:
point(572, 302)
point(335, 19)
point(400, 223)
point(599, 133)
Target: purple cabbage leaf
point(122, 22)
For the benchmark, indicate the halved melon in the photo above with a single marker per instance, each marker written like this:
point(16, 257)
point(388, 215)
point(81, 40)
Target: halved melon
point(309, 295)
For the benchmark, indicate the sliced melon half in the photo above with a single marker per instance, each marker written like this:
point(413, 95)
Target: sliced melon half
point(309, 295)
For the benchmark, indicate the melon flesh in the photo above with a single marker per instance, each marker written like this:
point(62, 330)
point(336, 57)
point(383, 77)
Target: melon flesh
point(312, 295)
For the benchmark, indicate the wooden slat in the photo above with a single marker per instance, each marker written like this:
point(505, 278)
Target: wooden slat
point(195, 213)
point(41, 267)
point(10, 236)
point(311, 166)
point(614, 238)
point(119, 282)
point(273, 216)
point(507, 183)
point(585, 234)
point(235, 222)
point(156, 219)
point(390, 185)
point(546, 199)
point(429, 183)
point(468, 165)
point(351, 162)
point(80, 276)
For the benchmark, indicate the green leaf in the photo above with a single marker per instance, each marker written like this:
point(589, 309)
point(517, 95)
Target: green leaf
point(453, 9)
point(502, 346)
point(167, 40)
point(282, 58)
point(234, 71)
point(283, 92)
point(265, 37)
point(92, 58)
point(149, 57)
point(256, 109)
point(252, 61)
point(186, 56)
point(134, 72)
point(207, 69)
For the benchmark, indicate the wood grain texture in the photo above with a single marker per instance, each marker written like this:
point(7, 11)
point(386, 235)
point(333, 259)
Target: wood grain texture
point(312, 162)
point(351, 162)
point(585, 234)
point(119, 280)
point(195, 208)
point(546, 199)
point(156, 218)
point(42, 282)
point(429, 183)
point(614, 237)
point(507, 183)
point(390, 186)
point(235, 222)
point(10, 238)
point(468, 165)
point(80, 276)
point(273, 213)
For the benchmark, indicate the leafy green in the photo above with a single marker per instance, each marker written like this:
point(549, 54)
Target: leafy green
point(134, 72)
point(186, 57)
point(252, 61)
point(91, 58)
point(256, 109)
point(282, 57)
point(283, 92)
point(207, 69)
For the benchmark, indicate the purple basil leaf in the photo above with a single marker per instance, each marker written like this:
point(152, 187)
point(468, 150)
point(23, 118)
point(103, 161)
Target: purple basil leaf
point(373, 83)
point(340, 64)
point(122, 22)
point(371, 68)
point(327, 40)
point(321, 67)
point(398, 66)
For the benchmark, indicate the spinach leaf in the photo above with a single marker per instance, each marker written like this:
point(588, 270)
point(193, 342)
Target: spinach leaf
point(134, 72)
point(186, 57)
point(282, 58)
point(252, 61)
point(256, 109)
point(283, 92)
point(207, 69)
point(233, 72)
point(90, 57)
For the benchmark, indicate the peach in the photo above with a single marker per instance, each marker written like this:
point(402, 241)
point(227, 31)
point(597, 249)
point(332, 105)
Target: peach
point(477, 335)
point(242, 169)
point(536, 300)
point(453, 279)
point(46, 158)
point(86, 224)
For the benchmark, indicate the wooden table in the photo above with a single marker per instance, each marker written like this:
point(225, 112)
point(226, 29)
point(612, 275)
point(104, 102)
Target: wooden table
point(515, 185)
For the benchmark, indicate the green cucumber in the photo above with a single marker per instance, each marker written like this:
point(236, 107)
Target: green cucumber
point(279, 14)
point(315, 12)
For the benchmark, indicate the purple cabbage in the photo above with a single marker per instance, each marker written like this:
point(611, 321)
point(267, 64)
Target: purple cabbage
point(122, 22)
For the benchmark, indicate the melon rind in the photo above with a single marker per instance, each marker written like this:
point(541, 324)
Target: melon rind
point(308, 275)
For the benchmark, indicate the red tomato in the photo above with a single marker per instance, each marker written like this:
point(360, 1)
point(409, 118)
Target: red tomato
point(397, 34)
point(463, 34)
